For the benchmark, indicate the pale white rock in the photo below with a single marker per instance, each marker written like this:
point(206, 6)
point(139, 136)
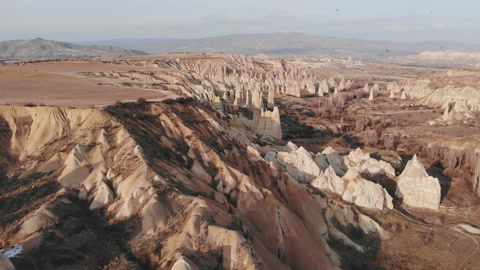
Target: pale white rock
point(183, 263)
point(370, 96)
point(103, 196)
point(110, 174)
point(366, 88)
point(377, 167)
point(355, 157)
point(290, 147)
point(329, 180)
point(364, 164)
point(138, 151)
point(75, 170)
point(364, 193)
point(269, 123)
point(388, 200)
point(417, 188)
point(334, 160)
point(299, 165)
point(351, 174)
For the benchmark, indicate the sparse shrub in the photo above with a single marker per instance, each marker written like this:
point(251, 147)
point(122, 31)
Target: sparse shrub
point(388, 142)
point(369, 137)
point(118, 103)
point(141, 101)
point(361, 124)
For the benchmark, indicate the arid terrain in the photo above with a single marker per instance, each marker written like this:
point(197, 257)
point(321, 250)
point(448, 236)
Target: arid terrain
point(219, 161)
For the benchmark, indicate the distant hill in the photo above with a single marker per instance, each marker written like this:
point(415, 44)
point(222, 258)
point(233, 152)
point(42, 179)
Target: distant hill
point(447, 59)
point(41, 48)
point(124, 42)
point(285, 44)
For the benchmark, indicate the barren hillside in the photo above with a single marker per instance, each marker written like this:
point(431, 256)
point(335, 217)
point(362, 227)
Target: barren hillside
point(41, 48)
point(237, 162)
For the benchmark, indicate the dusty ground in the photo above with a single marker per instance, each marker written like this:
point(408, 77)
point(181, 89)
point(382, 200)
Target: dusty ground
point(61, 83)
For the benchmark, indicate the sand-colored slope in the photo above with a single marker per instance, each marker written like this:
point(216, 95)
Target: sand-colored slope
point(135, 162)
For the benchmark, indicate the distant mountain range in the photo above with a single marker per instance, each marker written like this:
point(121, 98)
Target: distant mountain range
point(286, 44)
point(41, 48)
point(279, 44)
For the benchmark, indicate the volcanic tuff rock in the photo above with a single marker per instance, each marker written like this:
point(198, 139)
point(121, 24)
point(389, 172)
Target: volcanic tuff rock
point(364, 193)
point(352, 188)
point(334, 160)
point(269, 124)
point(299, 164)
point(364, 164)
point(183, 182)
point(417, 188)
point(330, 181)
point(122, 159)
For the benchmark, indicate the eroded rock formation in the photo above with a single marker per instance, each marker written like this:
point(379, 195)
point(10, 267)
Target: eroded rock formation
point(417, 188)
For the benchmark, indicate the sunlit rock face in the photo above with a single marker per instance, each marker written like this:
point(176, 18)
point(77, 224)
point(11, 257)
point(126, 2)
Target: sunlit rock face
point(417, 188)
point(299, 164)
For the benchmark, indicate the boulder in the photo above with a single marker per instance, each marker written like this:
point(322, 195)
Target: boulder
point(364, 193)
point(103, 196)
point(290, 147)
point(334, 160)
point(272, 157)
point(366, 165)
point(330, 181)
point(321, 161)
point(417, 188)
point(299, 165)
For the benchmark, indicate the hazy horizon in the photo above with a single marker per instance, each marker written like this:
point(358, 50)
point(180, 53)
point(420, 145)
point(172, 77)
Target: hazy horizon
point(405, 21)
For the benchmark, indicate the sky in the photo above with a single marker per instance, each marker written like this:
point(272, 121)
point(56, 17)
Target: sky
point(389, 20)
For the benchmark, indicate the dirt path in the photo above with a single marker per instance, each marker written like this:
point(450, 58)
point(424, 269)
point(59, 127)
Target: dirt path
point(461, 230)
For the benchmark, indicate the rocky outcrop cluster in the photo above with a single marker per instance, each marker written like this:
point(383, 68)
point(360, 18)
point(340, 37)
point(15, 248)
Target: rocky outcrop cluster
point(342, 176)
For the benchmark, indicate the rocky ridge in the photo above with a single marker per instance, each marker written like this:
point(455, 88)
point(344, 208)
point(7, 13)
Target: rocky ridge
point(185, 181)
point(41, 48)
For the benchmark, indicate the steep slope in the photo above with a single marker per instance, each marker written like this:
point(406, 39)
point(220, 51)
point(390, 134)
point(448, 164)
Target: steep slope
point(41, 48)
point(184, 193)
